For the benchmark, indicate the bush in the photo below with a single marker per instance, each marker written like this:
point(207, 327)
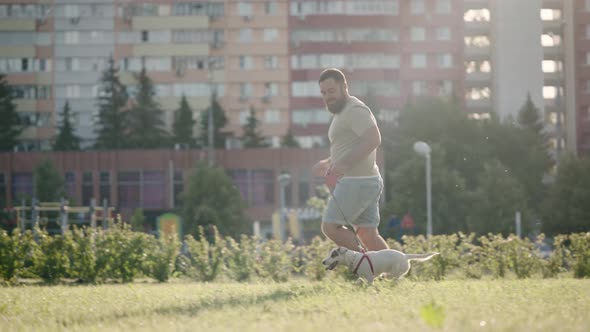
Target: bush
point(580, 254)
point(14, 250)
point(205, 258)
point(121, 253)
point(50, 256)
point(241, 258)
point(161, 257)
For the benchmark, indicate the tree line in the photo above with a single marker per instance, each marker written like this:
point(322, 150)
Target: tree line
point(134, 120)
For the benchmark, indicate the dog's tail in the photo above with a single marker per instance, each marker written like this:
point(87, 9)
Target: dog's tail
point(421, 257)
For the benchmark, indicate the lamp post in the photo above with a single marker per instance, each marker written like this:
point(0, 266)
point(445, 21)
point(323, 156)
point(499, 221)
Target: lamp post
point(423, 149)
point(284, 180)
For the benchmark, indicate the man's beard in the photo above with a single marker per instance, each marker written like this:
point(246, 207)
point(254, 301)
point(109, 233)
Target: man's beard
point(338, 106)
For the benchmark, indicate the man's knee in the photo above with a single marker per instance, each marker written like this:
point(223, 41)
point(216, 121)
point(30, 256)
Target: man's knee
point(329, 229)
point(368, 232)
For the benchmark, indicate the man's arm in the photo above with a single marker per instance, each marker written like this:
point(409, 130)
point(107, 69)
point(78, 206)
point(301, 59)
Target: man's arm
point(368, 142)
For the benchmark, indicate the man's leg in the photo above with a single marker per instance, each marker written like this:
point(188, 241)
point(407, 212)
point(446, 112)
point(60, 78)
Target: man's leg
point(341, 236)
point(371, 238)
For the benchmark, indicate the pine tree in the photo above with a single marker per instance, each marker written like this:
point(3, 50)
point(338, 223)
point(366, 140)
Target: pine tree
point(289, 141)
point(112, 118)
point(66, 140)
point(146, 124)
point(184, 124)
point(252, 137)
point(528, 117)
point(10, 127)
point(219, 122)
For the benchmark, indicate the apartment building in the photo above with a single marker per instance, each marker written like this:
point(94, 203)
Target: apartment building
point(391, 51)
point(267, 55)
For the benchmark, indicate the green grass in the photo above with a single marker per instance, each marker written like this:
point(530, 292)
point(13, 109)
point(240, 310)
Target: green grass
point(336, 305)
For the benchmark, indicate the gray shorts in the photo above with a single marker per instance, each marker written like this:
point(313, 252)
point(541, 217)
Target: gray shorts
point(357, 200)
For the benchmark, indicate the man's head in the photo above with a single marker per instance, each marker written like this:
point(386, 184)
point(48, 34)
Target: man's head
point(334, 89)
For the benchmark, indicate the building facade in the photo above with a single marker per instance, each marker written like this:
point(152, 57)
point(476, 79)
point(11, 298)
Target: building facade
point(267, 55)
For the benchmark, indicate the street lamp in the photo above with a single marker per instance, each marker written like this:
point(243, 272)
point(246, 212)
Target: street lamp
point(423, 149)
point(284, 180)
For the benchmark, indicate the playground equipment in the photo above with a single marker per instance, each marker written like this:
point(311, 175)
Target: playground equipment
point(59, 213)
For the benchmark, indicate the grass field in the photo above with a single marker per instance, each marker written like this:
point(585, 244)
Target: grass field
point(336, 305)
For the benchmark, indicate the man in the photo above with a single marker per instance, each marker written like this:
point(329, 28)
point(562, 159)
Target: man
point(354, 138)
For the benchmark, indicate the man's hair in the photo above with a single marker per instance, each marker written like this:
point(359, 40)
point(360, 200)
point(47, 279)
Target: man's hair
point(334, 73)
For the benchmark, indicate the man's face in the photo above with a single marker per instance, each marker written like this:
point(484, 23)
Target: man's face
point(334, 95)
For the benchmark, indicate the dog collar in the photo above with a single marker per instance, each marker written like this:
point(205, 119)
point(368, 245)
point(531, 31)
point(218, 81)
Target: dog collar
point(365, 256)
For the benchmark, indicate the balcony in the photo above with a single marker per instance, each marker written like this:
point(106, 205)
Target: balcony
point(478, 78)
point(477, 52)
point(476, 4)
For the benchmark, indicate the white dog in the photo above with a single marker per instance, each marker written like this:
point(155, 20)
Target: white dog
point(392, 263)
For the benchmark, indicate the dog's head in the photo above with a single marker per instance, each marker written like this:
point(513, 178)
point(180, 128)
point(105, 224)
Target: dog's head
point(335, 256)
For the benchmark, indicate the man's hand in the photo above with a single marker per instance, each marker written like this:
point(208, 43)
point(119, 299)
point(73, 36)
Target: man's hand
point(321, 167)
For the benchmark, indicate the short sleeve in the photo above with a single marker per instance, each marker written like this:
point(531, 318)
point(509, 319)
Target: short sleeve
point(360, 119)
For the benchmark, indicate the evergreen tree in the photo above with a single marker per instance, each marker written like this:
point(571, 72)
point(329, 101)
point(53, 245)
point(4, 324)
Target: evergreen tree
point(112, 118)
point(219, 122)
point(49, 184)
point(528, 117)
point(184, 124)
point(146, 124)
point(252, 138)
point(289, 141)
point(66, 140)
point(211, 198)
point(10, 127)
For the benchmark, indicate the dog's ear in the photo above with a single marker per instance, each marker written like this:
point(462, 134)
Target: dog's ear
point(334, 253)
point(342, 250)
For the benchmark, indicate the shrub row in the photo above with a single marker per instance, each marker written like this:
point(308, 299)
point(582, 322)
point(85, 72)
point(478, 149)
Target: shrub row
point(121, 255)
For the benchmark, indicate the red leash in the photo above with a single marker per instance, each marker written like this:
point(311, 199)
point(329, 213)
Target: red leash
point(365, 256)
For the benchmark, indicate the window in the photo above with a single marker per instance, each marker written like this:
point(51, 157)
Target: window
point(271, 62)
point(70, 184)
point(246, 62)
point(445, 60)
point(244, 9)
point(145, 37)
point(245, 90)
point(87, 188)
point(271, 89)
point(443, 33)
point(245, 35)
point(262, 183)
point(71, 37)
point(105, 187)
point(551, 66)
point(418, 34)
point(271, 34)
point(270, 8)
point(3, 192)
point(443, 6)
point(244, 114)
point(417, 7)
point(419, 61)
point(128, 186)
point(445, 88)
point(22, 186)
point(153, 190)
point(178, 187)
point(550, 14)
point(419, 88)
point(272, 116)
point(550, 40)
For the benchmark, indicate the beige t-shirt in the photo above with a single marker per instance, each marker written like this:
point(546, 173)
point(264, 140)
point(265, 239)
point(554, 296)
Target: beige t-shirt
point(345, 131)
